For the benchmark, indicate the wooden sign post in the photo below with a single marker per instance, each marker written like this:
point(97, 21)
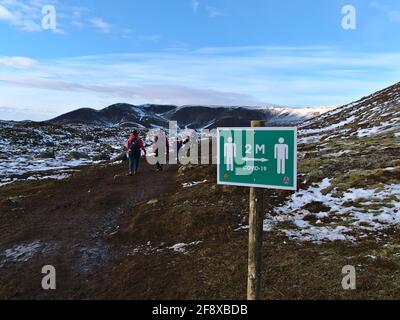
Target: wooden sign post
point(256, 221)
point(258, 158)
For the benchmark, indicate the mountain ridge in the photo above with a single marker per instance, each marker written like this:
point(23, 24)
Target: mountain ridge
point(188, 116)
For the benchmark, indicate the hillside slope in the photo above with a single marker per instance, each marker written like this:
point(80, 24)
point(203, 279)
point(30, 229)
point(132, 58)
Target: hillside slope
point(372, 115)
point(350, 167)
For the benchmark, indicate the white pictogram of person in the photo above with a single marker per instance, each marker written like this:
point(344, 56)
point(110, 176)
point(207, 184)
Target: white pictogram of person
point(230, 154)
point(281, 155)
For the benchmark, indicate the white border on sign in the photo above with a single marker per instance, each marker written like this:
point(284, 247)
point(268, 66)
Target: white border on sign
point(294, 129)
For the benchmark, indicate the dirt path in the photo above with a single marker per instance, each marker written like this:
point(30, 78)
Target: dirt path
point(67, 224)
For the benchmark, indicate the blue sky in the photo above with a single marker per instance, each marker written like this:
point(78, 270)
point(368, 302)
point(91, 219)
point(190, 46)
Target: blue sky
point(228, 52)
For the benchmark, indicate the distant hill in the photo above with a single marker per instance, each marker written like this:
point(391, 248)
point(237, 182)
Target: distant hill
point(194, 117)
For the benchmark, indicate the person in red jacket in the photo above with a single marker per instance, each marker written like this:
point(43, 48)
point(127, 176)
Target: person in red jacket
point(134, 145)
point(157, 150)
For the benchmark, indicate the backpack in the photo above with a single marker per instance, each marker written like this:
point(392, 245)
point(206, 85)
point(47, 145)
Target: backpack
point(135, 146)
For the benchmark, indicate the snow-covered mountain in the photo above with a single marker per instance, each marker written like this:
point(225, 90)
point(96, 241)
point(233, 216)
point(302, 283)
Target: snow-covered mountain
point(194, 117)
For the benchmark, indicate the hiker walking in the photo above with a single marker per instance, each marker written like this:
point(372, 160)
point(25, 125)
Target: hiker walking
point(187, 140)
point(183, 144)
point(179, 144)
point(157, 150)
point(134, 146)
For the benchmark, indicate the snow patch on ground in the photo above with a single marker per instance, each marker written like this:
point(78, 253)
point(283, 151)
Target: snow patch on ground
point(343, 216)
point(150, 248)
point(24, 252)
point(193, 183)
point(383, 127)
point(60, 176)
point(183, 247)
point(309, 139)
point(329, 128)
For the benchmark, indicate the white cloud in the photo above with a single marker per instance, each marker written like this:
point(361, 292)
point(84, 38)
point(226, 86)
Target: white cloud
point(195, 5)
point(392, 14)
point(78, 12)
point(214, 12)
point(300, 76)
point(211, 11)
point(100, 25)
point(24, 15)
point(378, 5)
point(17, 62)
point(77, 24)
point(21, 114)
point(152, 38)
point(5, 15)
point(27, 15)
point(174, 94)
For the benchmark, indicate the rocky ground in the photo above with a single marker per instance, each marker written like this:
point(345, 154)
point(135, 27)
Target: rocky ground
point(36, 151)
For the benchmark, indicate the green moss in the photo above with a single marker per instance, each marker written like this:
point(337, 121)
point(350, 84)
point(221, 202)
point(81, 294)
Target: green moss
point(316, 207)
point(364, 224)
point(389, 250)
point(370, 179)
point(288, 225)
point(371, 205)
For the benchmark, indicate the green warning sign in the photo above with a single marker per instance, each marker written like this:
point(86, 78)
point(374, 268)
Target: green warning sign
point(258, 157)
